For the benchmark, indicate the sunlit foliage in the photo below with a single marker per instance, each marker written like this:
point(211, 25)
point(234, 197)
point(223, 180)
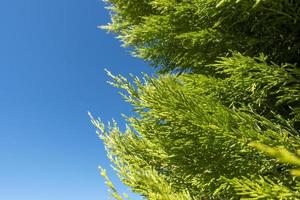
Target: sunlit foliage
point(222, 117)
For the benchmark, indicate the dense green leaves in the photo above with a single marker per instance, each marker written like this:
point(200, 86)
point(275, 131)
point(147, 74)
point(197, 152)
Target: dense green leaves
point(223, 119)
point(272, 91)
point(192, 140)
point(182, 34)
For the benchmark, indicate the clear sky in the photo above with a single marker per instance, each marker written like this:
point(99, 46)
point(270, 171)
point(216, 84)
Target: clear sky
point(52, 60)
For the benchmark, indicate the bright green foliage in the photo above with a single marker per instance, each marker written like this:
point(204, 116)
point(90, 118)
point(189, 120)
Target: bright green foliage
point(194, 143)
point(270, 90)
point(113, 191)
point(266, 188)
point(187, 34)
point(282, 154)
point(224, 126)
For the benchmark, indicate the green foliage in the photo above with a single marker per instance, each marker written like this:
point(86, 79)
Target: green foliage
point(222, 122)
point(192, 141)
point(270, 90)
point(262, 188)
point(132, 169)
point(188, 34)
point(112, 190)
point(282, 154)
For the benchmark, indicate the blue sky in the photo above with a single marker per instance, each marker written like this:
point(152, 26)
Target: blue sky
point(52, 60)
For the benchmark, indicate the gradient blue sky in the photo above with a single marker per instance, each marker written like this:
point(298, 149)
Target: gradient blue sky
point(52, 60)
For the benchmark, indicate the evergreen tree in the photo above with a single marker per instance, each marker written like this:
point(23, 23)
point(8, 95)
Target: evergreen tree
point(222, 118)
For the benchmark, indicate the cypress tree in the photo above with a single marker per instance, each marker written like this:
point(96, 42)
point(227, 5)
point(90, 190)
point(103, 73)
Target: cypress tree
point(221, 119)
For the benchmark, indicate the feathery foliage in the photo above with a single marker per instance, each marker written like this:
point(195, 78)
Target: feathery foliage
point(222, 120)
point(188, 34)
